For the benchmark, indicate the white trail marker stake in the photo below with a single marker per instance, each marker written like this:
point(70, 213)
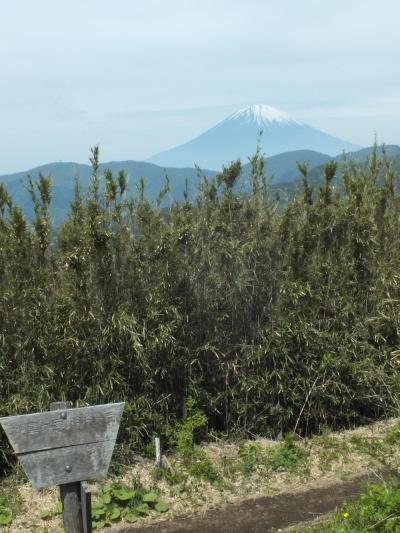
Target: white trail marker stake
point(65, 447)
point(157, 442)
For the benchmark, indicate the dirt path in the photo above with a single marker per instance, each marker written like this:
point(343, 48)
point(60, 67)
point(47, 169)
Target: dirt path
point(263, 514)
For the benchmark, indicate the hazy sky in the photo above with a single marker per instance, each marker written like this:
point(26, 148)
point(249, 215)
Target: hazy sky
point(139, 76)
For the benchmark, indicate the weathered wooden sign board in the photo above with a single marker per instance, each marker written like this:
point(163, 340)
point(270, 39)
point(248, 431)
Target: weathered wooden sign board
point(67, 445)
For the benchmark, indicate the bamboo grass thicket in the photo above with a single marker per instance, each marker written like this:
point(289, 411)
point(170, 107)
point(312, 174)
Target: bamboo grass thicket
point(271, 318)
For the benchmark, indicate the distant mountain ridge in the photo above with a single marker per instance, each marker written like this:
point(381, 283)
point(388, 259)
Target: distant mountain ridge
point(63, 177)
point(360, 156)
point(281, 170)
point(236, 137)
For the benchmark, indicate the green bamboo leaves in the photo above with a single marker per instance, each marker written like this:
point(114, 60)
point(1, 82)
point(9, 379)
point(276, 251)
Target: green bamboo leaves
point(272, 315)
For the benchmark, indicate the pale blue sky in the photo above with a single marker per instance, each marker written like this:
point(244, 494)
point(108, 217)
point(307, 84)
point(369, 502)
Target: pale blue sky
point(139, 76)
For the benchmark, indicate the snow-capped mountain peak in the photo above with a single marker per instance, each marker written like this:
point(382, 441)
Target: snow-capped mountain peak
point(238, 137)
point(261, 114)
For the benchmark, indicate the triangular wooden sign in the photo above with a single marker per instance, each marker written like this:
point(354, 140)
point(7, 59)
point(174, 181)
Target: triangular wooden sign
point(66, 445)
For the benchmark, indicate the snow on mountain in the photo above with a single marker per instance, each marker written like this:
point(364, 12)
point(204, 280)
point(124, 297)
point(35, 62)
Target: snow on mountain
point(262, 115)
point(236, 137)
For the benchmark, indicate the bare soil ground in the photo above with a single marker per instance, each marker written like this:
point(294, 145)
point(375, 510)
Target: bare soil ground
point(265, 514)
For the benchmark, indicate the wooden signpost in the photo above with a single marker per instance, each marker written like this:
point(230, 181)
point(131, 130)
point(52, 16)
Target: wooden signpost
point(64, 447)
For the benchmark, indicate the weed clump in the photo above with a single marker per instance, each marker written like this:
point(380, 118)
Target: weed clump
point(378, 510)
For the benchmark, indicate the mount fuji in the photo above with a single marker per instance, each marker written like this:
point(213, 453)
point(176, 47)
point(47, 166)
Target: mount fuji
point(236, 137)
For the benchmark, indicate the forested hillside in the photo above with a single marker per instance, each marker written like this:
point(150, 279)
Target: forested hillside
point(272, 320)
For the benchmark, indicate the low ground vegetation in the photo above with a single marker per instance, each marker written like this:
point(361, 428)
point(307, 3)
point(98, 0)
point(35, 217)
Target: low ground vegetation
point(377, 510)
point(216, 474)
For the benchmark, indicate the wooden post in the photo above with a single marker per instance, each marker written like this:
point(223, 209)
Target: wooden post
point(70, 493)
point(86, 502)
